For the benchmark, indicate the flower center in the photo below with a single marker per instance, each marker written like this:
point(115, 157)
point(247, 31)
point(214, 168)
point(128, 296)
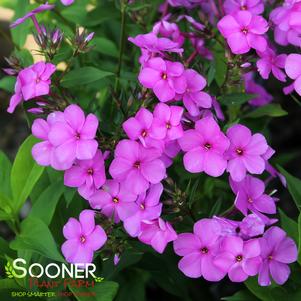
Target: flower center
point(239, 258)
point(270, 257)
point(142, 206)
point(38, 80)
point(204, 250)
point(243, 7)
point(164, 76)
point(82, 239)
point(77, 136)
point(137, 164)
point(115, 200)
point(237, 230)
point(250, 200)
point(239, 151)
point(90, 171)
point(244, 30)
point(168, 125)
point(207, 146)
point(144, 133)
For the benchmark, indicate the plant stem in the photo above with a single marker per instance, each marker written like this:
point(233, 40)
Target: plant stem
point(121, 43)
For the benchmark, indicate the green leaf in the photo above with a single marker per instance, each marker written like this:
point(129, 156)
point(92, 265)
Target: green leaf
point(36, 236)
point(5, 250)
point(8, 284)
point(83, 76)
point(272, 110)
point(235, 98)
point(7, 83)
point(25, 173)
point(105, 46)
point(289, 225)
point(104, 291)
point(293, 185)
point(220, 64)
point(45, 205)
point(241, 296)
point(5, 170)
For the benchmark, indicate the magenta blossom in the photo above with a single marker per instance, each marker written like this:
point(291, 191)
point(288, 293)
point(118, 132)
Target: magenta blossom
point(83, 238)
point(194, 98)
point(244, 31)
point(205, 147)
point(167, 122)
point(171, 150)
point(245, 152)
point(139, 128)
point(277, 251)
point(44, 152)
point(148, 208)
point(240, 259)
point(137, 166)
point(74, 137)
point(250, 196)
point(293, 70)
point(262, 96)
point(169, 30)
point(165, 78)
point(67, 2)
point(199, 249)
point(32, 15)
point(151, 45)
point(114, 200)
point(256, 7)
point(157, 233)
point(87, 175)
point(270, 62)
point(32, 82)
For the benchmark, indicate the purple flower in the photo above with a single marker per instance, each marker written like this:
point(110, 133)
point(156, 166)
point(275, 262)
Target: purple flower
point(157, 233)
point(270, 62)
point(167, 122)
point(83, 238)
point(244, 31)
point(293, 70)
point(67, 2)
point(87, 175)
point(262, 98)
point(171, 150)
point(199, 249)
point(32, 82)
point(32, 15)
point(150, 45)
point(114, 200)
point(44, 152)
point(245, 152)
point(205, 147)
point(74, 137)
point(148, 208)
point(165, 78)
point(277, 251)
point(240, 259)
point(169, 30)
point(139, 128)
point(194, 98)
point(137, 166)
point(256, 7)
point(250, 196)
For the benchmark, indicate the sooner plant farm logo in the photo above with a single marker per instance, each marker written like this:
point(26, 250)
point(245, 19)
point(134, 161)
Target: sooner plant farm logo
point(59, 276)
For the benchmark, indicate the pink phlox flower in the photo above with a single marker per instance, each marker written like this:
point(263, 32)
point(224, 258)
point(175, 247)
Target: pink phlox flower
point(148, 208)
point(244, 31)
point(277, 251)
point(32, 82)
point(293, 70)
point(245, 153)
point(83, 238)
point(87, 175)
point(137, 166)
point(256, 7)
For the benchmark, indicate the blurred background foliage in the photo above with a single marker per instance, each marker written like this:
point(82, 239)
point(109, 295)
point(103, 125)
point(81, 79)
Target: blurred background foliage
point(34, 202)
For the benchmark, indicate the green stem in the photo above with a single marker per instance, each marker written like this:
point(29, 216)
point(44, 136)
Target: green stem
point(121, 43)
